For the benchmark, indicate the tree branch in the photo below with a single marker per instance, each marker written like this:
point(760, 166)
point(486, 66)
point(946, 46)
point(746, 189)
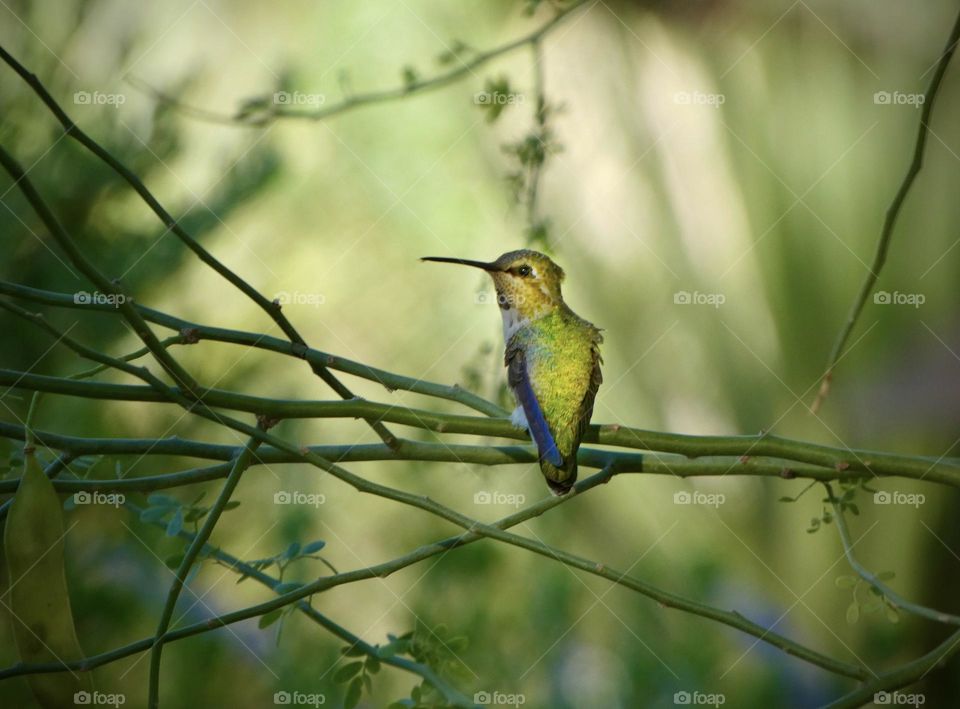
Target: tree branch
point(272, 309)
point(889, 222)
point(267, 113)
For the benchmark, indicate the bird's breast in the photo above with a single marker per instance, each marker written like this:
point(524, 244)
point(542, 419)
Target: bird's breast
point(512, 321)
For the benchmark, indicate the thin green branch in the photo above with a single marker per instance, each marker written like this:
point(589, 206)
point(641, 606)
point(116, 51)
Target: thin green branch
point(434, 508)
point(888, 593)
point(267, 113)
point(893, 212)
point(474, 531)
point(79, 259)
point(452, 695)
point(194, 331)
point(409, 451)
point(902, 676)
point(269, 307)
point(946, 471)
point(190, 556)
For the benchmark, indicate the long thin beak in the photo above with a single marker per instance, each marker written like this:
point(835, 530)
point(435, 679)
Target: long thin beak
point(462, 261)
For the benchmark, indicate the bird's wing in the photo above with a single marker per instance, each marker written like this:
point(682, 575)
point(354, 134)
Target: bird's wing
point(519, 380)
point(596, 378)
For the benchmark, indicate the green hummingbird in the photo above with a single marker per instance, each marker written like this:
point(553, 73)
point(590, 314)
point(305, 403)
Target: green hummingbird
point(552, 357)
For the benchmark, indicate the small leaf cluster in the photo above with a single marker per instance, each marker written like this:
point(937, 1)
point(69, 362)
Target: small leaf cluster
point(356, 673)
point(876, 601)
point(294, 552)
point(438, 649)
point(176, 514)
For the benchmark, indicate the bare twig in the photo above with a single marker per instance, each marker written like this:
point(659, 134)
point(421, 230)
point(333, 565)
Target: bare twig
point(889, 222)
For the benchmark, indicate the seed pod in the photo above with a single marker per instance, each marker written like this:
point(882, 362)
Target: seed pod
point(39, 601)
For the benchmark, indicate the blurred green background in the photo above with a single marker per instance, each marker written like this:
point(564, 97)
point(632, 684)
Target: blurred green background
point(725, 148)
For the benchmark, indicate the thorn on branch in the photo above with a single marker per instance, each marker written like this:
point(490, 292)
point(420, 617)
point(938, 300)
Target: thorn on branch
point(265, 422)
point(190, 335)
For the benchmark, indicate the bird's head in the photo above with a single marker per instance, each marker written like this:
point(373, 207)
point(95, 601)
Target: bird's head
point(526, 280)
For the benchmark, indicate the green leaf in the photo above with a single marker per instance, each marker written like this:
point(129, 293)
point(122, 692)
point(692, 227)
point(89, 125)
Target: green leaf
point(352, 697)
point(353, 651)
point(787, 498)
point(268, 619)
point(886, 575)
point(853, 613)
point(159, 500)
point(373, 665)
point(872, 606)
point(846, 581)
point(292, 550)
point(347, 671)
point(195, 513)
point(232, 505)
point(154, 514)
point(174, 561)
point(313, 547)
point(175, 525)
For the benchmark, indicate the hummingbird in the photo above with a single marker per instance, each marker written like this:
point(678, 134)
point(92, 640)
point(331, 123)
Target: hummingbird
point(552, 357)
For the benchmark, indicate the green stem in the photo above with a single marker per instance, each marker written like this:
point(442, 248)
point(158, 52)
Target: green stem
point(190, 330)
point(895, 598)
point(902, 676)
point(193, 550)
point(866, 462)
point(273, 112)
point(269, 307)
point(890, 221)
point(451, 694)
point(475, 532)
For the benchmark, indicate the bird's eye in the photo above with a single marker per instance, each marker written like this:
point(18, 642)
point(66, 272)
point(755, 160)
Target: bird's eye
point(524, 270)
